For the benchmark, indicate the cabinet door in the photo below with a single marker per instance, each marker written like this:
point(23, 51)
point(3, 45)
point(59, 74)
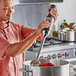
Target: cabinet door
point(33, 1)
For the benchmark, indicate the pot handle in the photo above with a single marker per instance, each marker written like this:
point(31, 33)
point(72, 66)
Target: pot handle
point(23, 70)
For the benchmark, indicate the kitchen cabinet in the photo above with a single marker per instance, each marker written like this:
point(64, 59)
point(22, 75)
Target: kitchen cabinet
point(33, 1)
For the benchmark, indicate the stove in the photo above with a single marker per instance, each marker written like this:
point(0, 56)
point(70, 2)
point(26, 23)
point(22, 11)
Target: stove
point(50, 41)
point(54, 49)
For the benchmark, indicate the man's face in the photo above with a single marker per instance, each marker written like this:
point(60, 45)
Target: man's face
point(6, 10)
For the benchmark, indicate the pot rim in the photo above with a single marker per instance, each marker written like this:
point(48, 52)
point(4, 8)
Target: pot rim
point(25, 63)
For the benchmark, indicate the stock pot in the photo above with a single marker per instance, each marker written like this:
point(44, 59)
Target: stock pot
point(69, 35)
point(60, 68)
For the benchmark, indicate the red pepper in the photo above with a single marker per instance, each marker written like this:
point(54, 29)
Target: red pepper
point(47, 64)
point(42, 65)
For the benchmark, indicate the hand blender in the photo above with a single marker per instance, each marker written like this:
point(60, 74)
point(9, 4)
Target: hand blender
point(45, 32)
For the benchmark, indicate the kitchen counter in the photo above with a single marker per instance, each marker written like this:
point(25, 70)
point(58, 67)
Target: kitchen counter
point(55, 47)
point(72, 73)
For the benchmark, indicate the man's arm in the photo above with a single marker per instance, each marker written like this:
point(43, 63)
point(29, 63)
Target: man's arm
point(26, 31)
point(18, 48)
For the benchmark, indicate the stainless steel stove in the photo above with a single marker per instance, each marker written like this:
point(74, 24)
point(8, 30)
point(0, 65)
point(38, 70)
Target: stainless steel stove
point(54, 49)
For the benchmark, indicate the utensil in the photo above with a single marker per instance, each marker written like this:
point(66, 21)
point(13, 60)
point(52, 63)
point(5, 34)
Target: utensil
point(69, 35)
point(45, 32)
point(36, 61)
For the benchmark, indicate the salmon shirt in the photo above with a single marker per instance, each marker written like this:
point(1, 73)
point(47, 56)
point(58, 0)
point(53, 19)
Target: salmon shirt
point(9, 66)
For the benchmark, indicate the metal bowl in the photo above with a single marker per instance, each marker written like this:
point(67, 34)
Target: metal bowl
point(60, 68)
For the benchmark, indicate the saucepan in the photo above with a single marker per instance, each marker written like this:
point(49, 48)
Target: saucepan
point(69, 35)
point(60, 68)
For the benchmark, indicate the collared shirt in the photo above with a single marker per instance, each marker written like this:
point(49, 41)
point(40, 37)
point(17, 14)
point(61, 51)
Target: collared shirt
point(9, 66)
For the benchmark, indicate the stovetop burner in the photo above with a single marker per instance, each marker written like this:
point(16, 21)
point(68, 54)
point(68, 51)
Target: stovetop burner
point(51, 41)
point(48, 41)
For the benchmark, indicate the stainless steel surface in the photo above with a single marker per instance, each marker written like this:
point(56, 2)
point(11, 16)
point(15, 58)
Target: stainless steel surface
point(60, 68)
point(74, 68)
point(30, 14)
point(69, 35)
point(61, 36)
point(31, 1)
point(54, 49)
point(41, 45)
point(57, 50)
point(36, 61)
point(72, 73)
point(51, 25)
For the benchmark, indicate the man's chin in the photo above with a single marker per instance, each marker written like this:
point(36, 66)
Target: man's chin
point(8, 19)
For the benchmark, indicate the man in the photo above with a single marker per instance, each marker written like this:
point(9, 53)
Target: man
point(15, 39)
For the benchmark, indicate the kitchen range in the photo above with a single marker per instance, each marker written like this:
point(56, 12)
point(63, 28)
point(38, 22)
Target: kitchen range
point(55, 50)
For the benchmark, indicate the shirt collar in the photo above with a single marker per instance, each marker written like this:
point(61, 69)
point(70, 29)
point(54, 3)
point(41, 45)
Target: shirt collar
point(3, 25)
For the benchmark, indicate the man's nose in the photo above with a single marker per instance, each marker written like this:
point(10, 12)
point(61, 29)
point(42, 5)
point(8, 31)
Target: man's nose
point(11, 10)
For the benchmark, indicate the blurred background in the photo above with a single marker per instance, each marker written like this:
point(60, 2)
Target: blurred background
point(31, 14)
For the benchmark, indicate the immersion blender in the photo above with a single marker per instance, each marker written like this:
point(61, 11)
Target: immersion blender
point(45, 32)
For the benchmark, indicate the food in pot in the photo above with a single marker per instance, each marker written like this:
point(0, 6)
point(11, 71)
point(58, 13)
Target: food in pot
point(71, 25)
point(47, 64)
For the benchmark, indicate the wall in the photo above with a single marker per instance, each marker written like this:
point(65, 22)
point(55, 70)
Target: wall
point(16, 1)
point(66, 10)
point(30, 14)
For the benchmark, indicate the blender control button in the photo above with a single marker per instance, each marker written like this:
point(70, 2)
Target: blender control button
point(41, 57)
point(66, 54)
point(59, 56)
point(48, 57)
point(51, 57)
point(69, 54)
point(54, 56)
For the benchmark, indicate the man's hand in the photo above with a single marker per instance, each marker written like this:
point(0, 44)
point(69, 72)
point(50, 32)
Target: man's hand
point(45, 23)
point(54, 13)
point(42, 25)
